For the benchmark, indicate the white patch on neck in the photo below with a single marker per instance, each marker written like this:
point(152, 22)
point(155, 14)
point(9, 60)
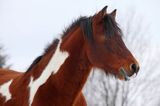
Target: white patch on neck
point(53, 66)
point(4, 90)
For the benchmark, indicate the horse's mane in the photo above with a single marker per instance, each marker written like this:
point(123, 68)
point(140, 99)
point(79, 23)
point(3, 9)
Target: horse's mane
point(54, 43)
point(110, 25)
point(75, 23)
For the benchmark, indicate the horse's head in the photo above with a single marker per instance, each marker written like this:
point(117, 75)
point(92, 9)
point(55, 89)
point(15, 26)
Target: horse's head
point(105, 47)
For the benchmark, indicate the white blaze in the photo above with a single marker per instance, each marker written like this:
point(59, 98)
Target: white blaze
point(53, 66)
point(4, 90)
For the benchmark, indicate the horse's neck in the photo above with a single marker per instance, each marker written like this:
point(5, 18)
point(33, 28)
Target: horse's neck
point(65, 71)
point(73, 74)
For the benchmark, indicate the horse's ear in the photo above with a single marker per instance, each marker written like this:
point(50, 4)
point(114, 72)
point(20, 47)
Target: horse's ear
point(113, 13)
point(102, 13)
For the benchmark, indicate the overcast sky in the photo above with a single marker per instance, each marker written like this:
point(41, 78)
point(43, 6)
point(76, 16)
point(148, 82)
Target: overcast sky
point(26, 26)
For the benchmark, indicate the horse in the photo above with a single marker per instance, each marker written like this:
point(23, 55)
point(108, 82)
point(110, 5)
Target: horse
point(56, 78)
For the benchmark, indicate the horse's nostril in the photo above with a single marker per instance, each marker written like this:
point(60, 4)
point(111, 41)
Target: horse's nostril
point(134, 67)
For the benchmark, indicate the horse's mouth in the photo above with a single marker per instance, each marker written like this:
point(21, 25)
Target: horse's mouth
point(123, 73)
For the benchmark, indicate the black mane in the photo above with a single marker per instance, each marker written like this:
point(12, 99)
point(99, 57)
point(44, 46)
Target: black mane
point(55, 41)
point(74, 24)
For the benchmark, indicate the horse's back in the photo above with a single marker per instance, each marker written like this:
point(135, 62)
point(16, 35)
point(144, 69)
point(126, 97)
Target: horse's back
point(6, 75)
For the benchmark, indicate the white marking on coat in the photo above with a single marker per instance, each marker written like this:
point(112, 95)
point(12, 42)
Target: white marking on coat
point(4, 90)
point(53, 66)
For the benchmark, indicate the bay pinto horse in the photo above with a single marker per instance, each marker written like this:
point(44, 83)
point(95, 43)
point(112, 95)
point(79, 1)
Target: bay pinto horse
point(57, 77)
